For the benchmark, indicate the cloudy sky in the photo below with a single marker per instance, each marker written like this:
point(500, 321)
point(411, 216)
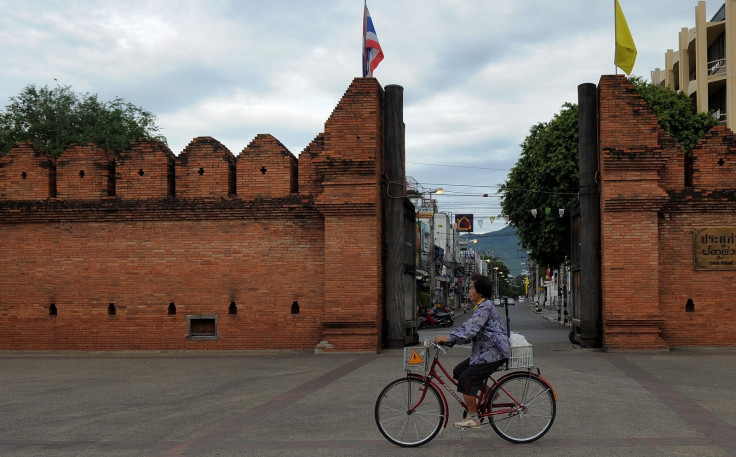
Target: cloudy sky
point(477, 74)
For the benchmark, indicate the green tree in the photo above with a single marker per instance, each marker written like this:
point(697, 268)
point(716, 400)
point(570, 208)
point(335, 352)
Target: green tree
point(676, 113)
point(497, 271)
point(545, 177)
point(55, 118)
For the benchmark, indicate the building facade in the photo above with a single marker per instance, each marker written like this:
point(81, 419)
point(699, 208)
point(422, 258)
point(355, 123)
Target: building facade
point(702, 65)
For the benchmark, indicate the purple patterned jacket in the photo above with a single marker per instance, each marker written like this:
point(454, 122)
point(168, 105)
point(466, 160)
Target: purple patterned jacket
point(487, 333)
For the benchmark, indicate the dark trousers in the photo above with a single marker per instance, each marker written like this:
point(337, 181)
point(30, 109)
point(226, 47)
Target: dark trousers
point(470, 377)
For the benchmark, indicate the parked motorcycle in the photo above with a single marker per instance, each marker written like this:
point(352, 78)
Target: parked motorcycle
point(433, 318)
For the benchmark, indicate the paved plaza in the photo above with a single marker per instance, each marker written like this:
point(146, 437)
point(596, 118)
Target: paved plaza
point(677, 403)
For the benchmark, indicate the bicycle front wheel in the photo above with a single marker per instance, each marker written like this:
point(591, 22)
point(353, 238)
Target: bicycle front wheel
point(523, 408)
point(401, 424)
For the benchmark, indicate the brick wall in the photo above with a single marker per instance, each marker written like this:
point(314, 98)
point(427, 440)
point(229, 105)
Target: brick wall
point(205, 169)
point(85, 172)
point(648, 217)
point(27, 173)
point(266, 169)
point(262, 251)
point(145, 171)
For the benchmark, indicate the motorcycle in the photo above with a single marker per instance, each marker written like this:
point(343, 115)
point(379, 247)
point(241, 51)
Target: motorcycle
point(433, 318)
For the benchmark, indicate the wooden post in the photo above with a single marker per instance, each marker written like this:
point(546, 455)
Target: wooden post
point(393, 217)
point(590, 283)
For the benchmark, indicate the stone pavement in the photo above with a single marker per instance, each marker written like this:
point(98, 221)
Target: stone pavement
point(677, 403)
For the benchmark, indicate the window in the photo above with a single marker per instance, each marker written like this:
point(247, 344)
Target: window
point(202, 327)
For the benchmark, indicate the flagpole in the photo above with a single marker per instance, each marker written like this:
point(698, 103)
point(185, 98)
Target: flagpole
point(615, 30)
point(362, 51)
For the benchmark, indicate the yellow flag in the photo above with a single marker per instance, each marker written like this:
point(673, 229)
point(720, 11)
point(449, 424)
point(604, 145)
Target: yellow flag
point(625, 47)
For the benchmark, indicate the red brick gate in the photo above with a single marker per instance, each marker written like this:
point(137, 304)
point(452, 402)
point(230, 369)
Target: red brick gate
point(150, 251)
point(668, 276)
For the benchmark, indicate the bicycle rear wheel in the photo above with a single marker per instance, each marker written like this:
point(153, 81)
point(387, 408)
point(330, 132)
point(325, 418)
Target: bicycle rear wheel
point(524, 408)
point(404, 427)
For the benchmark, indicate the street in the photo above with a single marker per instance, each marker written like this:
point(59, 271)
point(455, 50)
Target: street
point(534, 328)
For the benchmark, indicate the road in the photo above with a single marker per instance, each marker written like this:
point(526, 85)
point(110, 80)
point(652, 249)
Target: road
point(523, 320)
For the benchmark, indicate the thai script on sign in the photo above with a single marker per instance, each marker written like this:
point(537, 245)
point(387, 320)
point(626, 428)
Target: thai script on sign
point(714, 248)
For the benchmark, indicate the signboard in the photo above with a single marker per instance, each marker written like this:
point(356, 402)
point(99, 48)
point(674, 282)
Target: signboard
point(714, 248)
point(464, 222)
point(416, 359)
point(425, 212)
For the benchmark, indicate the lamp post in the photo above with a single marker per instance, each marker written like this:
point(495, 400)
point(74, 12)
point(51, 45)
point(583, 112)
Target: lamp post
point(495, 280)
point(561, 283)
point(566, 282)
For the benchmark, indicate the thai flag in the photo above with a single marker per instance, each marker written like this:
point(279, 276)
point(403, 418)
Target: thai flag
point(372, 53)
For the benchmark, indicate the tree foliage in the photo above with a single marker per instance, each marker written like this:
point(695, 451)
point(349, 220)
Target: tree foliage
point(500, 275)
point(56, 118)
point(675, 113)
point(545, 177)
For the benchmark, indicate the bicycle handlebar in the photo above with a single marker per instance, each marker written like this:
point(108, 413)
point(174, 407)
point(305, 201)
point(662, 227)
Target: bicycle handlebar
point(442, 346)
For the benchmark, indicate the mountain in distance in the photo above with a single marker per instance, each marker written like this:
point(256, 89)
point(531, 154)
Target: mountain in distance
point(503, 244)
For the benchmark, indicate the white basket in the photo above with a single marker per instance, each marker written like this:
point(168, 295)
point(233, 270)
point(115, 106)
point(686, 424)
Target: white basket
point(520, 357)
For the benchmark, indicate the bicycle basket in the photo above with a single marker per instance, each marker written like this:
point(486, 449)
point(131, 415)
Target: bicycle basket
point(416, 359)
point(520, 357)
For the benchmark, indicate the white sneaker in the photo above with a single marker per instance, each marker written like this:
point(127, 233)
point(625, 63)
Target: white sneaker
point(468, 422)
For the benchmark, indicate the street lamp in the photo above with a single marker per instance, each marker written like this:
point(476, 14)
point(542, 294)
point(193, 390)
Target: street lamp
point(495, 279)
point(561, 285)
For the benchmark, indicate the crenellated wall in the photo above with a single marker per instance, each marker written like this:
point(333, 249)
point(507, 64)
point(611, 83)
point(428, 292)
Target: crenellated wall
point(28, 173)
point(151, 251)
point(656, 291)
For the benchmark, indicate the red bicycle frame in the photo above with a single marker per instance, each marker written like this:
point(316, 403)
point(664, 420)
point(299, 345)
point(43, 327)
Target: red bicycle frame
point(508, 407)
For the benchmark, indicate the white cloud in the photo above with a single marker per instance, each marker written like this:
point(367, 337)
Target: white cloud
point(476, 74)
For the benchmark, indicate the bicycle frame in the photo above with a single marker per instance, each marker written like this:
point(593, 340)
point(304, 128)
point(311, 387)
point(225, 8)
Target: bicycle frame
point(506, 408)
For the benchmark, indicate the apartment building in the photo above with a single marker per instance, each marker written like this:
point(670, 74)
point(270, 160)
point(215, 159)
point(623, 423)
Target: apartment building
point(700, 65)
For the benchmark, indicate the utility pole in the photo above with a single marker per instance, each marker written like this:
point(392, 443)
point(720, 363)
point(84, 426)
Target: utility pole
point(431, 256)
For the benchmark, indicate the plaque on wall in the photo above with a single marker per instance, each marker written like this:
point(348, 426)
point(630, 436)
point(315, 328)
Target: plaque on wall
point(714, 248)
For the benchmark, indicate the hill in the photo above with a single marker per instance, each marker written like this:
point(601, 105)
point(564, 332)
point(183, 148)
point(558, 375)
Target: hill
point(503, 244)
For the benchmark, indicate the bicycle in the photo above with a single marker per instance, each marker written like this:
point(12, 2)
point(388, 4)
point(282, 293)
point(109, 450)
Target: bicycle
point(520, 406)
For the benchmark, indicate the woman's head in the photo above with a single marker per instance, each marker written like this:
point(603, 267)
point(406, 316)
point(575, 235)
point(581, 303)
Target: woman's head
point(483, 285)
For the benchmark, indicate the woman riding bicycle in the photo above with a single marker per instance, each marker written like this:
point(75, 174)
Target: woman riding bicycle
point(489, 351)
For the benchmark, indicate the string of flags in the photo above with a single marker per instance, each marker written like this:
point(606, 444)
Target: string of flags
point(464, 222)
point(547, 211)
